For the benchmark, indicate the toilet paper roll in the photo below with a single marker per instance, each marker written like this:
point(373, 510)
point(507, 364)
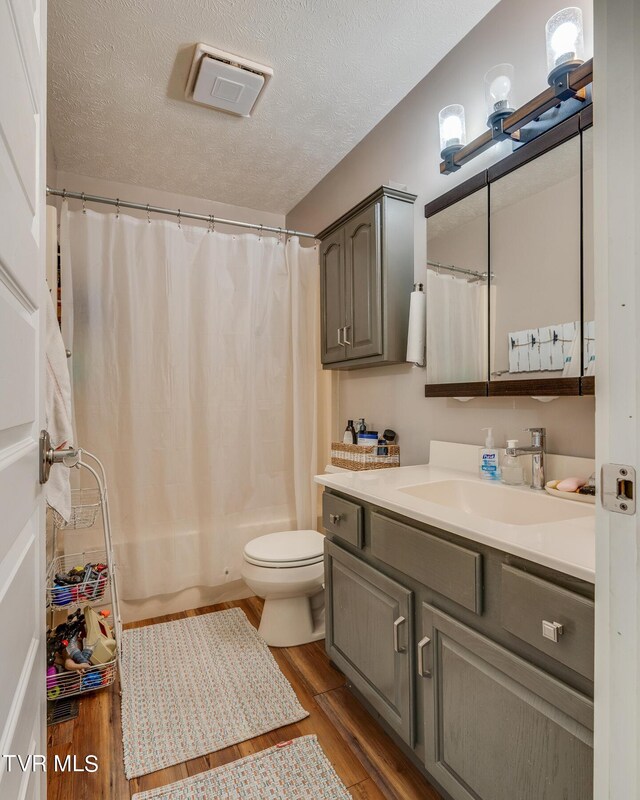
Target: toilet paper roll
point(417, 337)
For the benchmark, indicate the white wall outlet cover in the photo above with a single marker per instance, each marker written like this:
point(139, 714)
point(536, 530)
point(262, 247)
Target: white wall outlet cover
point(224, 81)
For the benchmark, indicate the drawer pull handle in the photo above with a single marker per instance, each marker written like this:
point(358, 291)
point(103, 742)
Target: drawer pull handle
point(396, 634)
point(422, 672)
point(552, 630)
point(335, 518)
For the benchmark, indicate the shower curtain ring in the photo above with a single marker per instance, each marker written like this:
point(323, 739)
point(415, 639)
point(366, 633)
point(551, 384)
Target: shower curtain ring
point(117, 207)
point(84, 204)
point(64, 195)
point(260, 235)
point(179, 225)
point(148, 215)
point(279, 235)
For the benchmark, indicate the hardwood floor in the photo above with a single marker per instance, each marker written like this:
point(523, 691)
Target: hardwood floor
point(365, 758)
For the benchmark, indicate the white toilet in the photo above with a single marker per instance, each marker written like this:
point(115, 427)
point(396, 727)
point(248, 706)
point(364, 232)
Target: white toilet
point(287, 569)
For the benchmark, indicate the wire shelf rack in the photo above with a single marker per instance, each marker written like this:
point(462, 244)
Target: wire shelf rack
point(92, 587)
point(86, 504)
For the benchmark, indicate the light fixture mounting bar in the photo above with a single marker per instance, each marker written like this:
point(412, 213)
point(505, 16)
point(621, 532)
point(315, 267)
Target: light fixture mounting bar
point(579, 78)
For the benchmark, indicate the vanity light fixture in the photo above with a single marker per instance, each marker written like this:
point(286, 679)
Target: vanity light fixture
point(498, 92)
point(453, 134)
point(565, 49)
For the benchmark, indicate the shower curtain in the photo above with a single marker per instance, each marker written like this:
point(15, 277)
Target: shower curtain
point(456, 329)
point(195, 380)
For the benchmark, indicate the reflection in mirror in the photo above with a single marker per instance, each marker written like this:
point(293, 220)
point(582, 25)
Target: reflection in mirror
point(457, 291)
point(535, 268)
point(587, 259)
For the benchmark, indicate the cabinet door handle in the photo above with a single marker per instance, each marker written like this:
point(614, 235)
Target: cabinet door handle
point(344, 335)
point(552, 630)
point(396, 634)
point(422, 672)
point(340, 342)
point(335, 518)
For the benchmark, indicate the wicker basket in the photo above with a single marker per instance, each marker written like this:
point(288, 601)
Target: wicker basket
point(359, 457)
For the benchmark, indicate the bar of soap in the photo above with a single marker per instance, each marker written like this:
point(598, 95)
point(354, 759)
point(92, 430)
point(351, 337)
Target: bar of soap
point(570, 484)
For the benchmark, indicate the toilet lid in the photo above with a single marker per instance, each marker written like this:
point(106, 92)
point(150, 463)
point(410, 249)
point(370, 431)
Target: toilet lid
point(287, 547)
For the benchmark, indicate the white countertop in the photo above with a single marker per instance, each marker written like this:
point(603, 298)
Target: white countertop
point(567, 546)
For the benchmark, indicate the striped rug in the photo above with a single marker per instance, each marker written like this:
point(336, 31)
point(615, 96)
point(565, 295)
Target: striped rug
point(197, 685)
point(295, 770)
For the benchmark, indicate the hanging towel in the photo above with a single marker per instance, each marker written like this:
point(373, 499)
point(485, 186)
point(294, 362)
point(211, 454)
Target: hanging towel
point(416, 339)
point(57, 410)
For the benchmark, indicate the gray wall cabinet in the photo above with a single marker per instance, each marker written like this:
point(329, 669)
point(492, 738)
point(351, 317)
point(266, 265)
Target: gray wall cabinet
point(472, 687)
point(366, 277)
point(369, 624)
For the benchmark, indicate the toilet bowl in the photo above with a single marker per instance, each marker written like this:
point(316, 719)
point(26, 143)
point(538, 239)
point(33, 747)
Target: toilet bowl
point(287, 569)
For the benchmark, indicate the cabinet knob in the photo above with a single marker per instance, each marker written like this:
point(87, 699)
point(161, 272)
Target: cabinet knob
point(552, 630)
point(335, 518)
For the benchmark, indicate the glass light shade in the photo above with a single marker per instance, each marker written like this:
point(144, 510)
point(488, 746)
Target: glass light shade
point(498, 90)
point(452, 127)
point(565, 38)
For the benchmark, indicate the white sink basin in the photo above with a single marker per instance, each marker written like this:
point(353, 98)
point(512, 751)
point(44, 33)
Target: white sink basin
point(499, 503)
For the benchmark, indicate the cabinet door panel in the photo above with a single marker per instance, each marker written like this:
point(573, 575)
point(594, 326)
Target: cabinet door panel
point(363, 610)
point(364, 284)
point(332, 288)
point(497, 728)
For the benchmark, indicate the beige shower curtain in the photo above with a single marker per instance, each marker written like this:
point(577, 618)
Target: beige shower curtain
point(195, 381)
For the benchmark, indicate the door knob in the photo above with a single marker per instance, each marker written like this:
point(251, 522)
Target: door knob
point(48, 456)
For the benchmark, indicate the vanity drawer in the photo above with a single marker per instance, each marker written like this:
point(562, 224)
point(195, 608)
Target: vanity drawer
point(447, 568)
point(532, 610)
point(342, 518)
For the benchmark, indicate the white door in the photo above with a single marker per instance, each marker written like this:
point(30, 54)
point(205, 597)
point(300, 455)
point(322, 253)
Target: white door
point(617, 251)
point(22, 268)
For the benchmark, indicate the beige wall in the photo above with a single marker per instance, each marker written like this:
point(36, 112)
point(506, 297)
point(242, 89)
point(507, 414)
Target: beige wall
point(403, 148)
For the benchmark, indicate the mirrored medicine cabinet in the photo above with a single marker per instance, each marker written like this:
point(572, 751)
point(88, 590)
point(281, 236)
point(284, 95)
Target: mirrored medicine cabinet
point(510, 303)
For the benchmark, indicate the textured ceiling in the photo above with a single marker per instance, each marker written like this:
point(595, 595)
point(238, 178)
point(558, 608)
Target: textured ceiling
point(117, 71)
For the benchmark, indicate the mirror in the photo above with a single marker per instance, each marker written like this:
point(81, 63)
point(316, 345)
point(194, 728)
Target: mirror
point(588, 281)
point(535, 268)
point(456, 291)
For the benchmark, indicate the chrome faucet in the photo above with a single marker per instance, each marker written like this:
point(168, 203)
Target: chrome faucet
point(536, 451)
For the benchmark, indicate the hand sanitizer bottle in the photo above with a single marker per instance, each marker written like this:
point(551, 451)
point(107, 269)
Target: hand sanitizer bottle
point(489, 462)
point(512, 472)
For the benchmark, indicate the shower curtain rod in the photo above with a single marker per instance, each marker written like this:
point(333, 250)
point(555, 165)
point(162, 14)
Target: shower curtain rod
point(210, 218)
point(481, 276)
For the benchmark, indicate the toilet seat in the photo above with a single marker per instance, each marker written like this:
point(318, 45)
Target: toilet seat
point(286, 549)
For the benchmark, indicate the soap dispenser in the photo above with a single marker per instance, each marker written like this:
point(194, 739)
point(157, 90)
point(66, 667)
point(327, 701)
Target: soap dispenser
point(512, 472)
point(489, 462)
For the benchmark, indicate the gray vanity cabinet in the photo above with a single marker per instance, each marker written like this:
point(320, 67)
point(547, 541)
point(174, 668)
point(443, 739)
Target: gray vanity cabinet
point(495, 726)
point(366, 276)
point(369, 619)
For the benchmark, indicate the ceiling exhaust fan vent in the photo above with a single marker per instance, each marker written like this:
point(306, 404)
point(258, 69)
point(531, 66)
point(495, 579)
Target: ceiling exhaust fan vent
point(225, 82)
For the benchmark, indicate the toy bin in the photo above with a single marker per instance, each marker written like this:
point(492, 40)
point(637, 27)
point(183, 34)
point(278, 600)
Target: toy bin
point(93, 581)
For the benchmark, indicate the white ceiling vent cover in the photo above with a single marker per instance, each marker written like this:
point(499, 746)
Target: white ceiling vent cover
point(225, 82)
